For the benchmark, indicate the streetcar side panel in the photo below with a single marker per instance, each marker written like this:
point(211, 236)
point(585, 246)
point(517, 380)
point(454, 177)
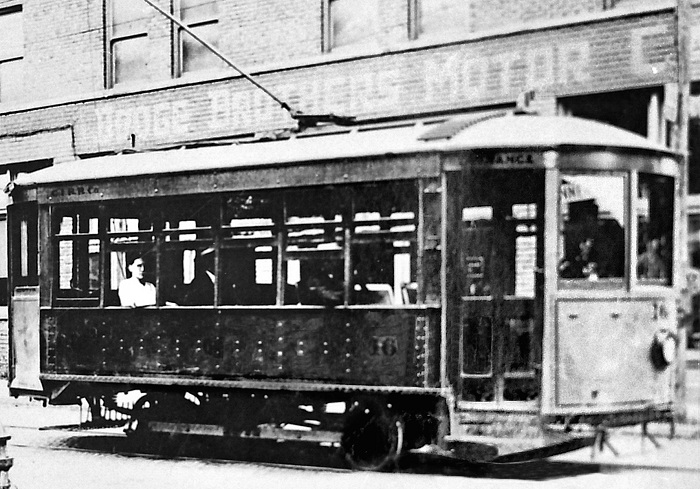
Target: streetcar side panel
point(361, 347)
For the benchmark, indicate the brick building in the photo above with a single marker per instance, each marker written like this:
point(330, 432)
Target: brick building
point(80, 78)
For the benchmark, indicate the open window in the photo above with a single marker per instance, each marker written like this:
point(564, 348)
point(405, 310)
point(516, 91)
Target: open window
point(383, 250)
point(130, 235)
point(188, 262)
point(315, 243)
point(249, 249)
point(78, 247)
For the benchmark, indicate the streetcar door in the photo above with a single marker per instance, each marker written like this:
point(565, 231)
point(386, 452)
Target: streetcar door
point(500, 263)
point(24, 305)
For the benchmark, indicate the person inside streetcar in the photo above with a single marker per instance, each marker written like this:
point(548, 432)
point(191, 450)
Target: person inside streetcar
point(200, 292)
point(584, 264)
point(650, 264)
point(135, 291)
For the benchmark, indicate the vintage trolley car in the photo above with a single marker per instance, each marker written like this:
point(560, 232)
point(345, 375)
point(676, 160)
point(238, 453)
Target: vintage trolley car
point(463, 286)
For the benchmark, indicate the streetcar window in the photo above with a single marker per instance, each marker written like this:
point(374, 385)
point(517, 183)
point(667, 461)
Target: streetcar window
point(318, 246)
point(249, 248)
point(315, 242)
point(383, 246)
point(25, 258)
point(78, 252)
point(24, 248)
point(187, 271)
point(654, 210)
point(592, 230)
point(130, 235)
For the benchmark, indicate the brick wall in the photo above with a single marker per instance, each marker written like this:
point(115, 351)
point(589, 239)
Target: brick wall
point(65, 41)
point(404, 79)
point(608, 55)
point(491, 14)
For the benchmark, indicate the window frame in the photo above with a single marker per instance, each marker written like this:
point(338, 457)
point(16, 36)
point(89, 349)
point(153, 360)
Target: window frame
point(12, 57)
point(415, 22)
point(327, 34)
point(178, 35)
point(111, 40)
point(78, 239)
point(639, 280)
point(602, 283)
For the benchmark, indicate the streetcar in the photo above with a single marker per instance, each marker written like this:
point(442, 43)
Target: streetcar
point(481, 288)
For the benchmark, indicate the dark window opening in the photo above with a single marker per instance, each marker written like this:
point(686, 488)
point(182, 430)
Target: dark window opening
point(325, 246)
point(625, 109)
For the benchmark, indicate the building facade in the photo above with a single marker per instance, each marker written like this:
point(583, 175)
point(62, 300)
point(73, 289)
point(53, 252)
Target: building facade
point(82, 78)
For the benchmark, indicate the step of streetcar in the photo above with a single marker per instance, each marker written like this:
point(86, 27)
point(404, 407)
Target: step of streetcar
point(497, 424)
point(516, 449)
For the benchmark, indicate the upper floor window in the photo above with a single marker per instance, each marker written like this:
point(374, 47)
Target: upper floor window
point(201, 16)
point(127, 22)
point(439, 16)
point(350, 22)
point(11, 54)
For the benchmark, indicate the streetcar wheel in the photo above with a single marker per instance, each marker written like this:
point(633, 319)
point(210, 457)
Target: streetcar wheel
point(143, 407)
point(373, 437)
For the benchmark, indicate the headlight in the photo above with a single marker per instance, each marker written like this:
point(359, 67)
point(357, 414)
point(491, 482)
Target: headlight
point(663, 349)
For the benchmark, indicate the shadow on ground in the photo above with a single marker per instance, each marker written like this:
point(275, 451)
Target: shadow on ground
point(305, 455)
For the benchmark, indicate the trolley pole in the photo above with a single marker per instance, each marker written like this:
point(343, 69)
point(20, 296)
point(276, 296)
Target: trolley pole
point(680, 145)
point(5, 461)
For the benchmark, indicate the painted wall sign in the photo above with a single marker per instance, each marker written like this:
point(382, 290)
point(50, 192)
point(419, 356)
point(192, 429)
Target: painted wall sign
point(609, 55)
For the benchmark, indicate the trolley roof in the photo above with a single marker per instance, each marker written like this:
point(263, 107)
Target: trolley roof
point(493, 131)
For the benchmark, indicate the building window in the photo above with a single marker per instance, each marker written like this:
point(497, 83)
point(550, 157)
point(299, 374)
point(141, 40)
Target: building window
point(128, 40)
point(11, 54)
point(430, 17)
point(350, 22)
point(201, 16)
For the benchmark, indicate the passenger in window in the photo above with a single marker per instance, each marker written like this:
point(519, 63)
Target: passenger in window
point(584, 264)
point(323, 288)
point(135, 291)
point(200, 292)
point(650, 264)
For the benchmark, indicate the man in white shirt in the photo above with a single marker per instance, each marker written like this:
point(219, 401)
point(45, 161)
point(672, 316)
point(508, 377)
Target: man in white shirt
point(135, 291)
